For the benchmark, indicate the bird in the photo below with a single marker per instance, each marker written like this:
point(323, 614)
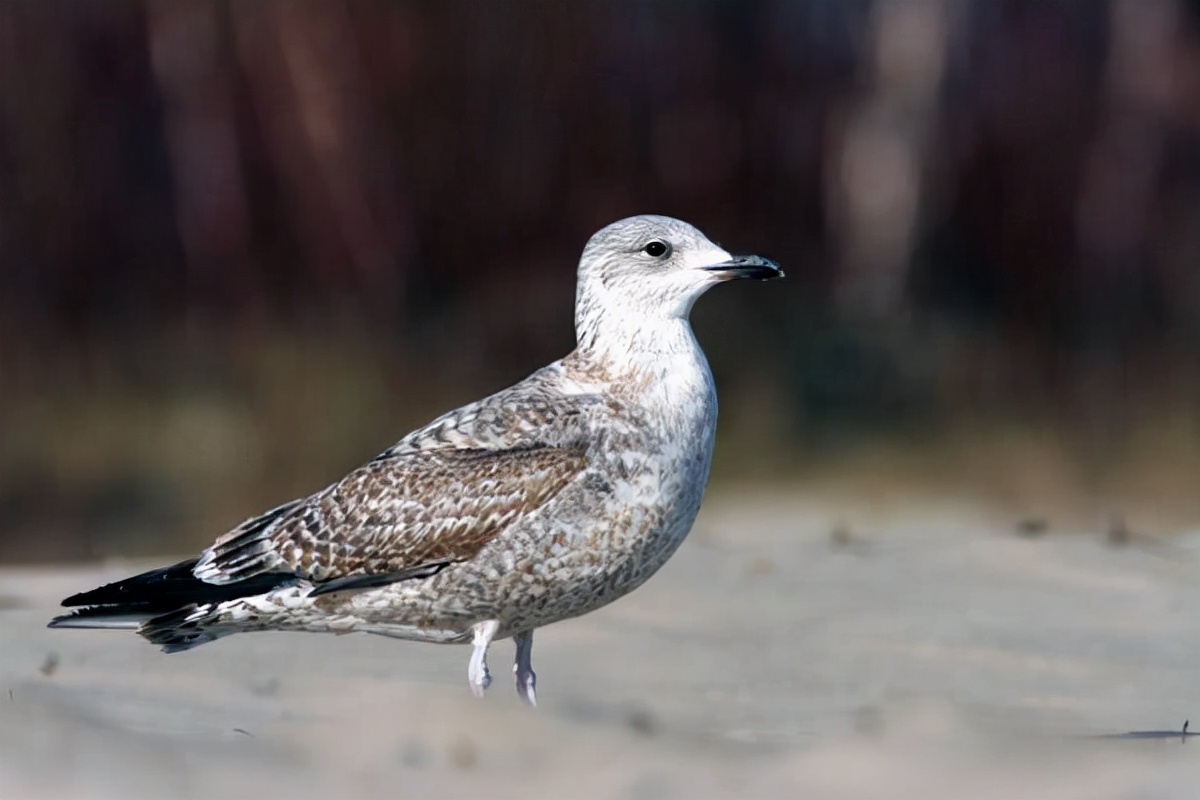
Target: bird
point(539, 503)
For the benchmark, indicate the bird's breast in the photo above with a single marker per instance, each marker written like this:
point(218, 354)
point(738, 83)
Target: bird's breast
point(652, 462)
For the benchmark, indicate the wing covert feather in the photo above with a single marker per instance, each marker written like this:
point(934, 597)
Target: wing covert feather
point(397, 514)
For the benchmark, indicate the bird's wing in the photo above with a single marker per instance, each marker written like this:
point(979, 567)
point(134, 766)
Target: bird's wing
point(399, 516)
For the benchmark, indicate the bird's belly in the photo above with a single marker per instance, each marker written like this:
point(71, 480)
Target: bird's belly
point(606, 538)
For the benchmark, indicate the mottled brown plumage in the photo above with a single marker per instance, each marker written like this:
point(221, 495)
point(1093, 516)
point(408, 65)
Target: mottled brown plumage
point(398, 514)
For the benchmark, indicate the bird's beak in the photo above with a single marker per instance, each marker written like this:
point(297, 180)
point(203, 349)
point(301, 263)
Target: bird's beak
point(754, 267)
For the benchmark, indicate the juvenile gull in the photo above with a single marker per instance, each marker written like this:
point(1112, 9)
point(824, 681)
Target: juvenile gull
point(544, 501)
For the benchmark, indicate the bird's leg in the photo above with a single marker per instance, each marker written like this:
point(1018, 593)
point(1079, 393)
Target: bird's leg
point(477, 671)
point(523, 668)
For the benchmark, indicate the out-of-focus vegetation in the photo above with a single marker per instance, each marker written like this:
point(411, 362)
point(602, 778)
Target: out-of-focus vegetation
point(244, 246)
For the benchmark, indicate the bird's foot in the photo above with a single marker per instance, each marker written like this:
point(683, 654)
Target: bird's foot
point(523, 668)
point(526, 685)
point(477, 671)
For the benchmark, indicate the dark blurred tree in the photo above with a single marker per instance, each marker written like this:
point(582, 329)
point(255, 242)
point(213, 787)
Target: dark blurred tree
point(360, 211)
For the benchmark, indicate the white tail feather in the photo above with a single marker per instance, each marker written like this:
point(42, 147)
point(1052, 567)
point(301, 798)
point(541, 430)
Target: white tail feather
point(116, 622)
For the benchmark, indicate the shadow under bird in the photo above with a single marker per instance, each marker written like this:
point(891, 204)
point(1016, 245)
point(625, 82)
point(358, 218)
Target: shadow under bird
point(544, 501)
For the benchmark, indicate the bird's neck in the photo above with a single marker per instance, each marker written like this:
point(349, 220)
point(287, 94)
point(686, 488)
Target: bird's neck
point(620, 326)
point(655, 364)
point(635, 339)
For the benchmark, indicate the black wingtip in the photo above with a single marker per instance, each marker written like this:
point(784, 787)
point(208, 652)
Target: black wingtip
point(166, 589)
point(152, 587)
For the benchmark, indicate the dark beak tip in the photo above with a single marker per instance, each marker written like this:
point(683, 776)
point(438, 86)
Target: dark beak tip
point(749, 267)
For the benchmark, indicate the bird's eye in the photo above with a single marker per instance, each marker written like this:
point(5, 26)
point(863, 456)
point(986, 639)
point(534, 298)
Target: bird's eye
point(657, 249)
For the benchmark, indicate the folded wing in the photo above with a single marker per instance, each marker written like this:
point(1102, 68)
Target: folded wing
point(397, 517)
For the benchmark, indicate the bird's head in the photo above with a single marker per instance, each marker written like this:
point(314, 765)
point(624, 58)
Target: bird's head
point(649, 268)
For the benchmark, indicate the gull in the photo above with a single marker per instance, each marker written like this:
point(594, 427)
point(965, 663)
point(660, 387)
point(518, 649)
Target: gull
point(542, 502)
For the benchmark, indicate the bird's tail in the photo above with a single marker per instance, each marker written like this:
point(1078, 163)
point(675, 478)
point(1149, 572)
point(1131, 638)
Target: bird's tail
point(100, 618)
point(159, 601)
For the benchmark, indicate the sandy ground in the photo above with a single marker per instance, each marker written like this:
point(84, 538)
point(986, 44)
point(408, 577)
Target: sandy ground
point(793, 647)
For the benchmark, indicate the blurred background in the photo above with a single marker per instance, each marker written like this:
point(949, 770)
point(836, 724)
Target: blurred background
point(245, 246)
